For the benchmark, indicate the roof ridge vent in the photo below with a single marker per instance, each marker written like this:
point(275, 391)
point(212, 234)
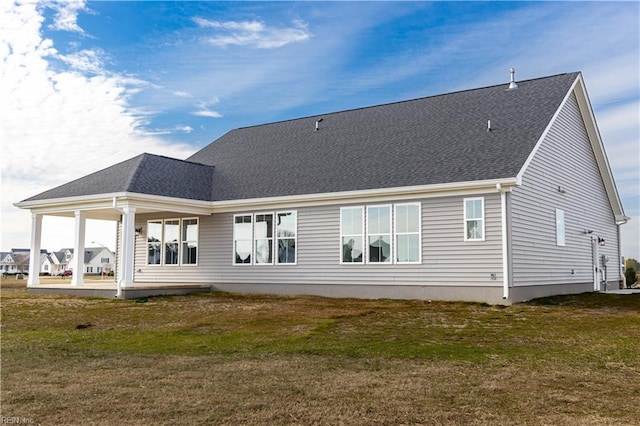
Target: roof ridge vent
point(512, 84)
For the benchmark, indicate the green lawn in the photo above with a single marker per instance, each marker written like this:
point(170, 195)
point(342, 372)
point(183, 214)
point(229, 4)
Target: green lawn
point(221, 358)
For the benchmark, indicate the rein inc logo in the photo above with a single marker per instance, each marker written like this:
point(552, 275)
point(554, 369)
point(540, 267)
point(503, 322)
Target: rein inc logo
point(16, 420)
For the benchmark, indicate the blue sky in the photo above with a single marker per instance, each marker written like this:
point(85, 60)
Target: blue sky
point(88, 84)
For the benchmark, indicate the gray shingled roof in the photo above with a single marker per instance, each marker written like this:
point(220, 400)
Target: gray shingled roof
point(432, 140)
point(144, 174)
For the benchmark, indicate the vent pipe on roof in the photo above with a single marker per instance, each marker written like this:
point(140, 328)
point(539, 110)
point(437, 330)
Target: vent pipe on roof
point(513, 84)
point(318, 124)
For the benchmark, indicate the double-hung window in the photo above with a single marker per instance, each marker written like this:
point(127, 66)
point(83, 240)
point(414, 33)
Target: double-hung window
point(242, 239)
point(263, 234)
point(154, 242)
point(352, 234)
point(286, 232)
point(189, 241)
point(379, 234)
point(474, 219)
point(171, 241)
point(407, 231)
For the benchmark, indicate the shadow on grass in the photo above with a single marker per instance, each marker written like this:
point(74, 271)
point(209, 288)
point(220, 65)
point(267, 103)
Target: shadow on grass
point(591, 300)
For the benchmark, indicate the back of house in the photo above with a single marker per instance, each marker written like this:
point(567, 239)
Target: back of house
point(497, 194)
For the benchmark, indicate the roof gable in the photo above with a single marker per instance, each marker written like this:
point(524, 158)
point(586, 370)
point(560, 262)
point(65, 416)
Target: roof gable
point(578, 90)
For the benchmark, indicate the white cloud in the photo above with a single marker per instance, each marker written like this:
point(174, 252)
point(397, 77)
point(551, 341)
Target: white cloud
point(253, 33)
point(207, 113)
point(181, 129)
point(181, 94)
point(59, 124)
point(66, 17)
point(85, 61)
point(246, 26)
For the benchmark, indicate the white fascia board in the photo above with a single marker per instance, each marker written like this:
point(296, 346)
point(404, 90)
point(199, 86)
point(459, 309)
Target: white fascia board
point(368, 195)
point(598, 147)
point(147, 203)
point(67, 201)
point(115, 201)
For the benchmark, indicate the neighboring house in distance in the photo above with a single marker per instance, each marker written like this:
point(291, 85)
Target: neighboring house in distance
point(60, 260)
point(97, 260)
point(46, 265)
point(497, 194)
point(8, 263)
point(17, 261)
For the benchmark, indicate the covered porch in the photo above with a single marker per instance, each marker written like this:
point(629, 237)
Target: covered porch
point(121, 208)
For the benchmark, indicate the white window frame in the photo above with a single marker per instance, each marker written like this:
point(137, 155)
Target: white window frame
point(467, 219)
point(233, 248)
point(161, 242)
point(362, 236)
point(254, 239)
point(183, 241)
point(162, 223)
point(368, 234)
point(561, 228)
point(164, 257)
point(277, 238)
point(396, 233)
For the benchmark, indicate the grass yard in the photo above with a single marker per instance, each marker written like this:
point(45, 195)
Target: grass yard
point(246, 359)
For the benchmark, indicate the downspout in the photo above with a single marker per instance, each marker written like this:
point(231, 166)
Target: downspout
point(622, 281)
point(621, 277)
point(505, 254)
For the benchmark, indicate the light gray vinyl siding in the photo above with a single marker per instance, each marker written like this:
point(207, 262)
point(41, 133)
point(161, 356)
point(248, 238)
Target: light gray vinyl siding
point(565, 159)
point(446, 258)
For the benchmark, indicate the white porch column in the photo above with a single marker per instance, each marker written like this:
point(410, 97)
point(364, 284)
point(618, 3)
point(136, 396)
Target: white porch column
point(77, 278)
point(34, 256)
point(125, 272)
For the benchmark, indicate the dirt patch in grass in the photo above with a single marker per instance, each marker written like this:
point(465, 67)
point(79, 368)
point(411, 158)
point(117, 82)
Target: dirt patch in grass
point(245, 359)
